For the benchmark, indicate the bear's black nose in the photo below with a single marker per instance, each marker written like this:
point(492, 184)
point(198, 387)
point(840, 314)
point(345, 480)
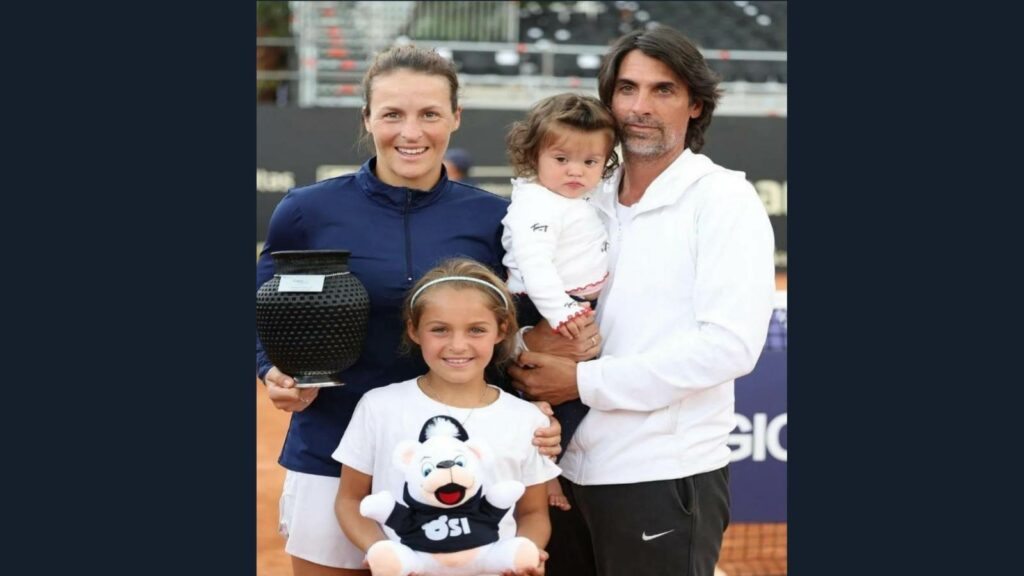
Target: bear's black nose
point(446, 464)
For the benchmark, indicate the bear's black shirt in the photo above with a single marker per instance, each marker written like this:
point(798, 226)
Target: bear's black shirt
point(470, 525)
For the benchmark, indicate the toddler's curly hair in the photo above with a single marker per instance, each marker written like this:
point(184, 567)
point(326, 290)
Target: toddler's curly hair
point(526, 138)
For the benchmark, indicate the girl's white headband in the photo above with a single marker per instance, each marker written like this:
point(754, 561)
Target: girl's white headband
point(412, 301)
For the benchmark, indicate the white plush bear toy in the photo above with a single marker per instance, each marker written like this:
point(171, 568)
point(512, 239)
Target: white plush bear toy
point(448, 525)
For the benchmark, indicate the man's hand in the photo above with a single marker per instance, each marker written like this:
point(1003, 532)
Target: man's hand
point(545, 377)
point(585, 346)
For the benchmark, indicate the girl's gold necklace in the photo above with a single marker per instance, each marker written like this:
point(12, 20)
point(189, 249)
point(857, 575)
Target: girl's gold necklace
point(433, 393)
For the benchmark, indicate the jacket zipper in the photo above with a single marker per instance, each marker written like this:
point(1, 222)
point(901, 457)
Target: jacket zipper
point(408, 238)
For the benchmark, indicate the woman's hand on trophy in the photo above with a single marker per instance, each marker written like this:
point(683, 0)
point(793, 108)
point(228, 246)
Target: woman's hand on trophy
point(283, 393)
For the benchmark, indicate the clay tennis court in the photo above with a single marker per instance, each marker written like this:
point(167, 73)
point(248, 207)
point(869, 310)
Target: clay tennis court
point(271, 426)
point(748, 550)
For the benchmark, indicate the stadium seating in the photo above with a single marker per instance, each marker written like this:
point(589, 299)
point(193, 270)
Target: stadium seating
point(732, 26)
point(744, 42)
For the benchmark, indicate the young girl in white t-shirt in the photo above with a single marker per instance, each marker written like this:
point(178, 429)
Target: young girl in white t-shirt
point(461, 317)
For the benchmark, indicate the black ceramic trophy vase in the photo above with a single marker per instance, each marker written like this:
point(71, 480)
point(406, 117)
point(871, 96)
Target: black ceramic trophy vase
point(311, 316)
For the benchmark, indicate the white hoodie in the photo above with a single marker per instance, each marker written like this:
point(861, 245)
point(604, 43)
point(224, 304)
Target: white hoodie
point(684, 313)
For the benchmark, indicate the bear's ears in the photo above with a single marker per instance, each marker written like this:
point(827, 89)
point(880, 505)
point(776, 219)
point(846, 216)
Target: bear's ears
point(443, 426)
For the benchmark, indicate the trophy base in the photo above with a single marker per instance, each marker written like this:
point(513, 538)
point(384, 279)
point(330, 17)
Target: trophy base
point(315, 382)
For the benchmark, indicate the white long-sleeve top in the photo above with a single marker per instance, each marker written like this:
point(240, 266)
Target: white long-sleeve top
point(684, 313)
point(554, 246)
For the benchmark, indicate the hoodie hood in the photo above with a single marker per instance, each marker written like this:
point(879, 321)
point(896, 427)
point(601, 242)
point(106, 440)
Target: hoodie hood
point(665, 190)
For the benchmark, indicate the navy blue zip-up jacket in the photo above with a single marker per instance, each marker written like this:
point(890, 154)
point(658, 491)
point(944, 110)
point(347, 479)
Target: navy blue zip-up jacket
point(395, 235)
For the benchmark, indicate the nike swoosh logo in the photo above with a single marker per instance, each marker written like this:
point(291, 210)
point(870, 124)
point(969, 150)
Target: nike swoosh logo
point(653, 536)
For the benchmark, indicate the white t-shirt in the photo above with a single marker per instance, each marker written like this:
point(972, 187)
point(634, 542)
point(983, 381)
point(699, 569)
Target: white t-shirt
point(385, 416)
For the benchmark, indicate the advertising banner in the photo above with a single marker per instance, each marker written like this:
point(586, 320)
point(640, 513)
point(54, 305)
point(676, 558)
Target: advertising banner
point(759, 442)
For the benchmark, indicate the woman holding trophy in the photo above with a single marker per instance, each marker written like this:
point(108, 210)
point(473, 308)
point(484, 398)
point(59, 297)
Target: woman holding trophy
point(399, 215)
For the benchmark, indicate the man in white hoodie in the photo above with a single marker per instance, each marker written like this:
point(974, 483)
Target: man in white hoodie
point(684, 313)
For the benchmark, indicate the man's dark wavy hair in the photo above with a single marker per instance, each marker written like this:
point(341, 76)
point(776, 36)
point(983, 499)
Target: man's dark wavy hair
point(683, 57)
